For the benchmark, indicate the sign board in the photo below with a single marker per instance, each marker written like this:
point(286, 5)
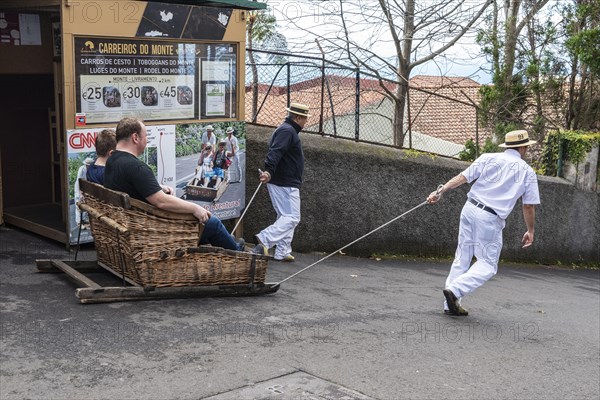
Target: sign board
point(154, 80)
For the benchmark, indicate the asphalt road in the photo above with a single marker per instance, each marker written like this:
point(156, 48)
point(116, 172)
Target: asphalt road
point(346, 328)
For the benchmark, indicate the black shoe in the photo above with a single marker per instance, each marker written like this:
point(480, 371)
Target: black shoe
point(241, 244)
point(461, 312)
point(452, 301)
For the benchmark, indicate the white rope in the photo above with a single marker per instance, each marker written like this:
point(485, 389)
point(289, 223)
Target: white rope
point(438, 194)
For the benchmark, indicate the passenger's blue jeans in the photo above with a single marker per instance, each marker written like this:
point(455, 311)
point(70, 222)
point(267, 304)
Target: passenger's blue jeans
point(215, 234)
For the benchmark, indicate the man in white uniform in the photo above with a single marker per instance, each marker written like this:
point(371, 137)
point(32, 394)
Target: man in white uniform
point(233, 149)
point(500, 180)
point(209, 137)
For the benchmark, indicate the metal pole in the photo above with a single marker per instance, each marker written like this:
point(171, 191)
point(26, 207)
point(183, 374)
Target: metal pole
point(476, 133)
point(408, 117)
point(357, 108)
point(288, 84)
point(322, 86)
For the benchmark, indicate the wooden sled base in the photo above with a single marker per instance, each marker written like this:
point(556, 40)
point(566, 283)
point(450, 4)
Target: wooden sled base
point(92, 292)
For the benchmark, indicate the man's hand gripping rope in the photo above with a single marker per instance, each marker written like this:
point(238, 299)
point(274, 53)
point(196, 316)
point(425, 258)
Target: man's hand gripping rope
point(436, 195)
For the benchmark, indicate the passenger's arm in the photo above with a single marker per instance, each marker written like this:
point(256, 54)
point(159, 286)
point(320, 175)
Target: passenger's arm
point(174, 204)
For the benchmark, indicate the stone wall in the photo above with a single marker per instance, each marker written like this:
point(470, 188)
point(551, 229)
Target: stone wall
point(584, 175)
point(352, 188)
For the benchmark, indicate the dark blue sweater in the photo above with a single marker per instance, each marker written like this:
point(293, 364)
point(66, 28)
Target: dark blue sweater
point(285, 159)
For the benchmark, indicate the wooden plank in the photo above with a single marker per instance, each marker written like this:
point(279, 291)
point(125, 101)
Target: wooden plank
point(46, 266)
point(40, 229)
point(77, 276)
point(111, 294)
point(118, 275)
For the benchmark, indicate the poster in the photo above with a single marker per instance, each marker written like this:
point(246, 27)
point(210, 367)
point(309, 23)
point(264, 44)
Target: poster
point(215, 99)
point(224, 194)
point(150, 80)
point(154, 80)
point(173, 153)
point(30, 31)
point(159, 155)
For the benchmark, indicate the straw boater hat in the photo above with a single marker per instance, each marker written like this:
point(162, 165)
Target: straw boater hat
point(517, 139)
point(229, 129)
point(299, 109)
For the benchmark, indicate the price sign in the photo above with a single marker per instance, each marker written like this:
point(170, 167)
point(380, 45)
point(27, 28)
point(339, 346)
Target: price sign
point(151, 80)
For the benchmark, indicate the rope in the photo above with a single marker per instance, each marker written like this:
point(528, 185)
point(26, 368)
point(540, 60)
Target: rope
point(438, 194)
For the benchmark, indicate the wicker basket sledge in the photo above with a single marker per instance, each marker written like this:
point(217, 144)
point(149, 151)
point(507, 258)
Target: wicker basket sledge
point(156, 248)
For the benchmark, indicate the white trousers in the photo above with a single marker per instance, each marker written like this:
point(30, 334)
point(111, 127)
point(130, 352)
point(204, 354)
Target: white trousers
point(479, 235)
point(286, 201)
point(238, 166)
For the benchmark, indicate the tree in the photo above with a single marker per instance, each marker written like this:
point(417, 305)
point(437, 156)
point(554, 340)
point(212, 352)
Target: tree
point(260, 27)
point(503, 104)
point(412, 32)
point(548, 66)
point(582, 27)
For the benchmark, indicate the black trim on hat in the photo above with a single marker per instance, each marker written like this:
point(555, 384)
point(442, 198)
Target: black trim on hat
point(522, 141)
point(298, 110)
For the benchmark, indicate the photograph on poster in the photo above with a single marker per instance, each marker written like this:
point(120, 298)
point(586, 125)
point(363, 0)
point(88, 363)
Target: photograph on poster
point(111, 96)
point(212, 176)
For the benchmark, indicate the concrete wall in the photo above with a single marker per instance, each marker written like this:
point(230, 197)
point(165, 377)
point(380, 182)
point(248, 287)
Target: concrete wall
point(352, 188)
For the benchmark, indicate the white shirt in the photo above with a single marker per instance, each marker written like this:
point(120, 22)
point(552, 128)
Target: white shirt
point(232, 144)
point(502, 178)
point(212, 140)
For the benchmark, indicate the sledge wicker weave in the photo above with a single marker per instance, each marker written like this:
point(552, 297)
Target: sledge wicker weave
point(156, 248)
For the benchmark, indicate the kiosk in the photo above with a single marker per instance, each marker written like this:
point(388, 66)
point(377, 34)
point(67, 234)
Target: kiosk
point(71, 68)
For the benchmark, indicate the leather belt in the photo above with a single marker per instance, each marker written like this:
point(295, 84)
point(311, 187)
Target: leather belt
point(482, 206)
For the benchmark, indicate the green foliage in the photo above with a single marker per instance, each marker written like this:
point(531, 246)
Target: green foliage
point(150, 157)
point(586, 45)
point(584, 32)
point(573, 144)
point(503, 103)
point(411, 153)
point(471, 149)
point(73, 168)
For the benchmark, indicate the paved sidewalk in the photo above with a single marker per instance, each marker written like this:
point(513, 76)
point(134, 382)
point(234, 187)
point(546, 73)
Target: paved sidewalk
point(347, 328)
